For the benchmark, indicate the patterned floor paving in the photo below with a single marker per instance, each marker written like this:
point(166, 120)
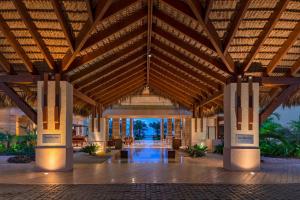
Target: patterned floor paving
point(150, 191)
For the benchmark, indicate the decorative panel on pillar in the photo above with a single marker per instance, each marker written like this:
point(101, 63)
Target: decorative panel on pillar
point(162, 129)
point(54, 150)
point(187, 131)
point(169, 133)
point(241, 126)
point(131, 128)
point(116, 128)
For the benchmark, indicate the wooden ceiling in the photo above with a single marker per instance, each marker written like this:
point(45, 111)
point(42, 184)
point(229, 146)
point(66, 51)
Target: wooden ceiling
point(185, 50)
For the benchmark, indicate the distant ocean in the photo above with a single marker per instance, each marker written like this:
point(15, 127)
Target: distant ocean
point(150, 131)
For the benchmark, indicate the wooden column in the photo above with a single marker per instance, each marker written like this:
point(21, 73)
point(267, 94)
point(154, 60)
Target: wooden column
point(177, 129)
point(107, 128)
point(131, 128)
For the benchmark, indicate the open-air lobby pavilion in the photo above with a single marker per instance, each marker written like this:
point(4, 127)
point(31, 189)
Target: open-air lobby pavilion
point(211, 70)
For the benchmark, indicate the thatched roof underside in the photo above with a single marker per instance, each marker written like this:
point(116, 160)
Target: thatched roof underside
point(103, 47)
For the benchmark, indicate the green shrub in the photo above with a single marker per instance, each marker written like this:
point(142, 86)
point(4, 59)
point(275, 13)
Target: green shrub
point(197, 150)
point(2, 148)
point(90, 149)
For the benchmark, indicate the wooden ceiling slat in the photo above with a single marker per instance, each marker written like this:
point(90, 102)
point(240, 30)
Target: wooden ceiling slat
point(164, 66)
point(234, 25)
point(269, 26)
point(134, 59)
point(111, 72)
point(187, 70)
point(183, 29)
point(204, 69)
point(284, 49)
point(16, 45)
point(36, 36)
point(191, 49)
point(63, 23)
point(117, 27)
point(85, 32)
point(108, 60)
point(211, 34)
point(104, 49)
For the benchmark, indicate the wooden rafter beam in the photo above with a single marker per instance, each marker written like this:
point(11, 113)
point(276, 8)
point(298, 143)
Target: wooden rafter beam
point(27, 109)
point(122, 94)
point(189, 48)
point(149, 36)
point(178, 79)
point(269, 26)
point(213, 97)
point(171, 94)
point(112, 93)
point(90, 9)
point(134, 47)
point(4, 63)
point(183, 88)
point(295, 68)
point(193, 34)
point(234, 25)
point(277, 101)
point(216, 77)
point(84, 33)
point(20, 78)
point(104, 49)
point(208, 7)
point(115, 73)
point(178, 72)
point(279, 80)
point(175, 90)
point(84, 97)
point(36, 36)
point(132, 78)
point(294, 35)
point(117, 27)
point(16, 45)
point(63, 23)
point(187, 70)
point(212, 34)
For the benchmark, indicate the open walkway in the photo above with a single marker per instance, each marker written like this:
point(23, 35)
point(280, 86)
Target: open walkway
point(155, 170)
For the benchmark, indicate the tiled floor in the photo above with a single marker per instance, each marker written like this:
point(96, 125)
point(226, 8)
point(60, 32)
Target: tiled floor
point(152, 166)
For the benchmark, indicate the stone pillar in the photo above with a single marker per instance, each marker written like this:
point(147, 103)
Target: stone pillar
point(131, 128)
point(162, 130)
point(116, 128)
point(97, 135)
point(123, 132)
point(241, 125)
point(54, 151)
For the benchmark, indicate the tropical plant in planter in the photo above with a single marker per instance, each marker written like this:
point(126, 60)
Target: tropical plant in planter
point(91, 149)
point(197, 150)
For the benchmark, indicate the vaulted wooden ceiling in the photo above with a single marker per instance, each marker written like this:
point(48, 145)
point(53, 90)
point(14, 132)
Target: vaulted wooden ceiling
point(185, 50)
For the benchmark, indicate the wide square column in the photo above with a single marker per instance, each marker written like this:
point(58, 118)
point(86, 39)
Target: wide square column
point(54, 151)
point(116, 128)
point(162, 129)
point(241, 124)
